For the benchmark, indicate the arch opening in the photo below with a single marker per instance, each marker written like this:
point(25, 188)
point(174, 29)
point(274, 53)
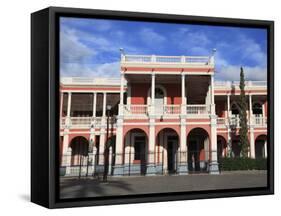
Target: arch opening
point(79, 151)
point(135, 152)
point(167, 145)
point(198, 150)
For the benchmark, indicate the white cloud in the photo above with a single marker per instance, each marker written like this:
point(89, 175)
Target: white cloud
point(150, 37)
point(71, 49)
point(111, 69)
point(232, 73)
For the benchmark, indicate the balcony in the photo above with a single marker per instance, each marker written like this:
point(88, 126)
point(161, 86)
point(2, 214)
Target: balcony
point(143, 59)
point(171, 110)
point(234, 122)
point(85, 122)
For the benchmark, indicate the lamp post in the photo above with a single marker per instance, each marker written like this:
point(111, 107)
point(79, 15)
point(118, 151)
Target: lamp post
point(106, 146)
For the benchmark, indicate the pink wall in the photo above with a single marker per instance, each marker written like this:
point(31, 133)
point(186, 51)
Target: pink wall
point(139, 93)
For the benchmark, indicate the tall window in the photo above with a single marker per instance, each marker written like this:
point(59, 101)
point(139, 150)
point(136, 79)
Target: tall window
point(234, 109)
point(257, 109)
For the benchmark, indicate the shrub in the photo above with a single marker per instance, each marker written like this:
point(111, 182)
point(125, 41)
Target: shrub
point(227, 164)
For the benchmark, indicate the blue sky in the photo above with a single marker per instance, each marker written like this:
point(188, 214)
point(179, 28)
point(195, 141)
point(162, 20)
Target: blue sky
point(90, 47)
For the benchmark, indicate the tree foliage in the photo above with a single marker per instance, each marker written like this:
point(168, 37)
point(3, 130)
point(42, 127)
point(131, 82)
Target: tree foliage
point(243, 131)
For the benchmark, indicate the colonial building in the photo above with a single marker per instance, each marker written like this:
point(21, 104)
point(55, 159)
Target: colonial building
point(165, 115)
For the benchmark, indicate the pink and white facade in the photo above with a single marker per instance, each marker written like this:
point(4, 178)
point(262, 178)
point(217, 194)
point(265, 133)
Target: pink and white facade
point(169, 115)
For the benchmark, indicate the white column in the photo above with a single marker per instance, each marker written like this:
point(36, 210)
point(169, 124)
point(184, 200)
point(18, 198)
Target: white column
point(152, 93)
point(183, 101)
point(214, 169)
point(94, 104)
point(183, 97)
point(129, 95)
point(69, 104)
point(213, 110)
point(228, 106)
point(121, 94)
point(104, 105)
point(61, 103)
point(250, 109)
point(252, 143)
point(102, 144)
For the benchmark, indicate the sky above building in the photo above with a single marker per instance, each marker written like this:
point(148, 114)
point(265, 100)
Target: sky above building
point(90, 47)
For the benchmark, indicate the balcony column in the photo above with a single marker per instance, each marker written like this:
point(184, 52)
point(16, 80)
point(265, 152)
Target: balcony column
point(104, 105)
point(250, 110)
point(67, 120)
point(183, 97)
point(152, 110)
point(61, 104)
point(213, 110)
point(252, 142)
point(94, 104)
point(121, 94)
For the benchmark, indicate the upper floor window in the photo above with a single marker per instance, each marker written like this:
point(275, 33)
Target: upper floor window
point(234, 109)
point(257, 109)
point(159, 93)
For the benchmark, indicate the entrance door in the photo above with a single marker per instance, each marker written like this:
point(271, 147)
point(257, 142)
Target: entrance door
point(172, 150)
point(193, 156)
point(140, 154)
point(159, 101)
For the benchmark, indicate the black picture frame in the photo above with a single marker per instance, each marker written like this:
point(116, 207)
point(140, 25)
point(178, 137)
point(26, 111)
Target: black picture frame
point(45, 106)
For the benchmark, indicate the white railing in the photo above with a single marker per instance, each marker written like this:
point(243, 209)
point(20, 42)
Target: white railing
point(197, 109)
point(166, 59)
point(90, 81)
point(236, 83)
point(260, 121)
point(135, 109)
point(172, 109)
point(221, 122)
point(80, 121)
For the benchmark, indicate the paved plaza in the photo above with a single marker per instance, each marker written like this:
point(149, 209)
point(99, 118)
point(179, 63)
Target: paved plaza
point(93, 187)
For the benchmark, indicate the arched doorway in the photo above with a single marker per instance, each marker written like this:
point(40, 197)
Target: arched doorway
point(167, 148)
point(260, 146)
point(79, 151)
point(135, 152)
point(198, 150)
point(221, 147)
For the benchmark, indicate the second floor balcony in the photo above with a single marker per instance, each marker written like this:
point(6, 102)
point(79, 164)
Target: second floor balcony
point(234, 121)
point(170, 110)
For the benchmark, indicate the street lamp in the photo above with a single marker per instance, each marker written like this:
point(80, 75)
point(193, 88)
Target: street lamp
point(106, 146)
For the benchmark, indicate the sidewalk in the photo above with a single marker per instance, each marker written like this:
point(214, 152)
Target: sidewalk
point(90, 187)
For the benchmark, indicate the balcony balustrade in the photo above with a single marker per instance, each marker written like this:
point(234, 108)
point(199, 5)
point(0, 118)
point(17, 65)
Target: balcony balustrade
point(205, 60)
point(234, 121)
point(85, 122)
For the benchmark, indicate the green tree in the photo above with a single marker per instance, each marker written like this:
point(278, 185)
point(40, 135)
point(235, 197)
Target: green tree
point(243, 132)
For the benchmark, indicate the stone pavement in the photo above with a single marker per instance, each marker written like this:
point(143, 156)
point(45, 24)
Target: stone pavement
point(92, 187)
